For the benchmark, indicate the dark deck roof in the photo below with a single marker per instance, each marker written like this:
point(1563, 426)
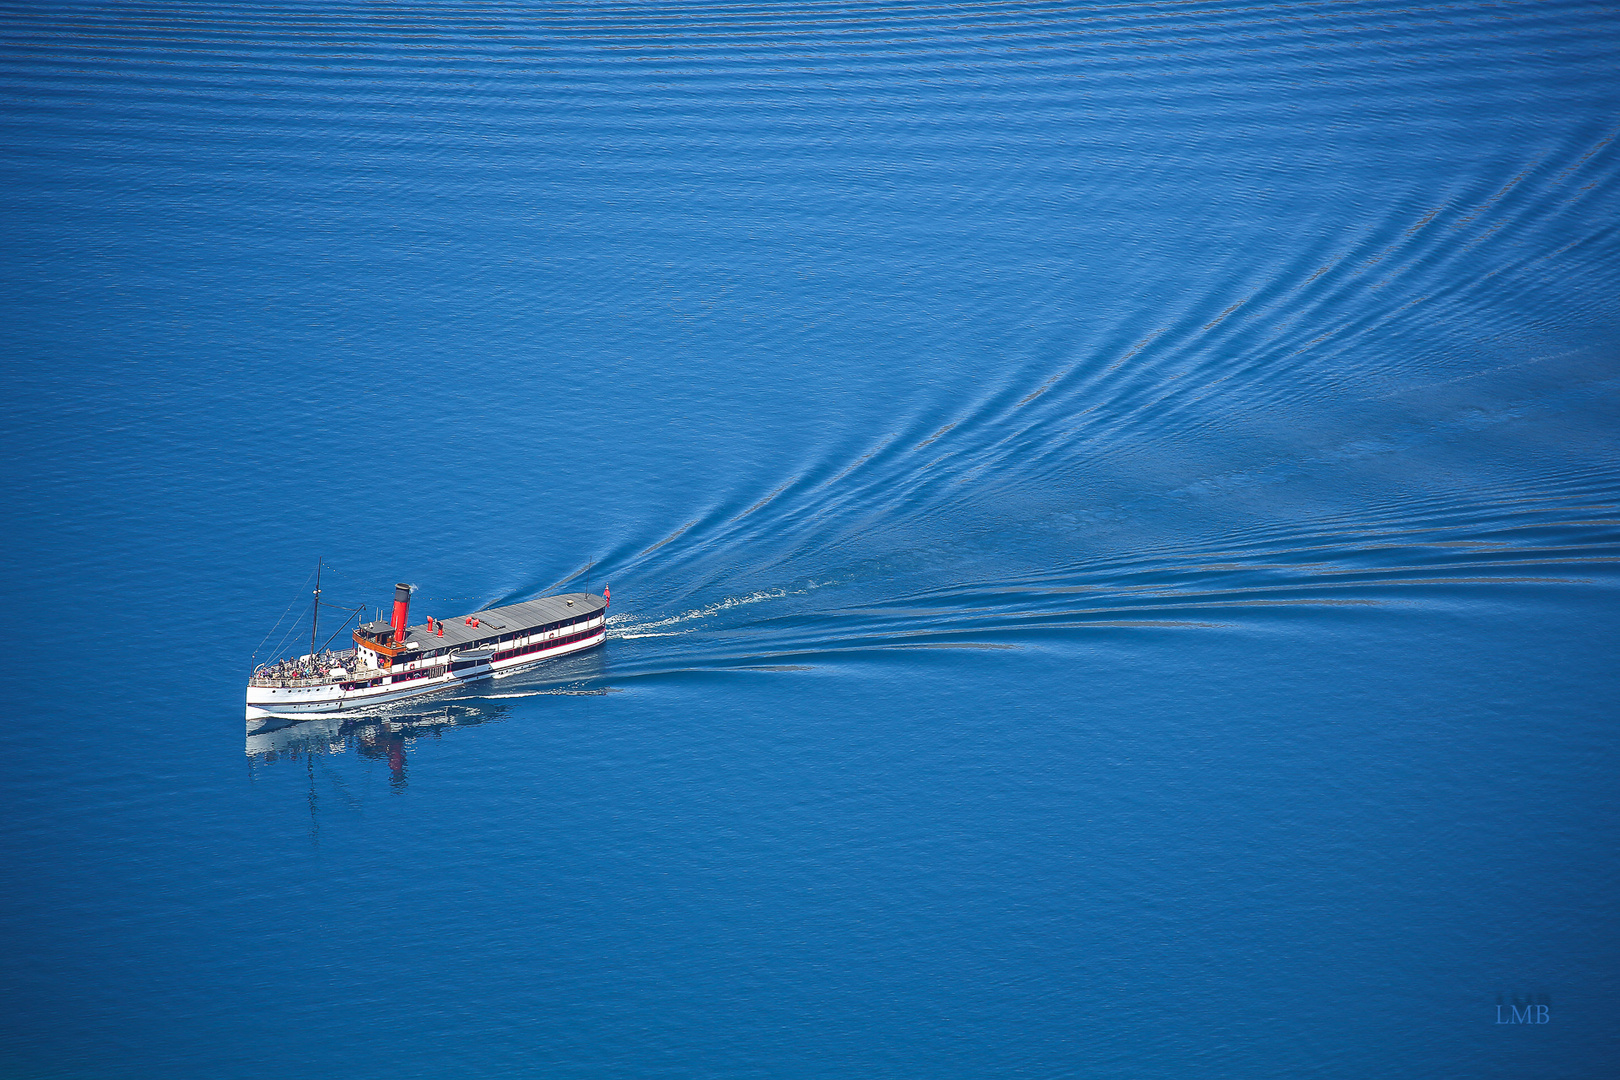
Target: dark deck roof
point(493, 622)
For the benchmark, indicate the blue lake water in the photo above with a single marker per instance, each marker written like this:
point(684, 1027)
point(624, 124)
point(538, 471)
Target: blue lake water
point(1112, 515)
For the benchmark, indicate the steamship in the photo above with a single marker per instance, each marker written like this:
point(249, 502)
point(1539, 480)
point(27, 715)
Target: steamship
point(394, 660)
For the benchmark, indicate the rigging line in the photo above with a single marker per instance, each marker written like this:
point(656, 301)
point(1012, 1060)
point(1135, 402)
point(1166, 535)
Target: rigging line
point(301, 588)
point(339, 630)
point(293, 626)
point(332, 569)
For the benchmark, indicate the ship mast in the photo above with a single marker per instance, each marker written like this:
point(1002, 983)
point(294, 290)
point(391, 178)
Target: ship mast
point(315, 614)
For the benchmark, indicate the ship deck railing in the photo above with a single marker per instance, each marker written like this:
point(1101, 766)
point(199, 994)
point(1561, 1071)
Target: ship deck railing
point(266, 676)
point(318, 680)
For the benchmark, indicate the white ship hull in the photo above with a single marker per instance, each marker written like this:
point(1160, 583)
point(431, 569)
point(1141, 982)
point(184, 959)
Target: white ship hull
point(366, 689)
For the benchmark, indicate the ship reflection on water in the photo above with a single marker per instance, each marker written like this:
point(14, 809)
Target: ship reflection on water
point(380, 737)
point(388, 737)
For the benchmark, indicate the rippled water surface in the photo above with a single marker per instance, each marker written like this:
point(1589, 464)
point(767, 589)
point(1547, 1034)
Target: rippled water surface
point(1112, 513)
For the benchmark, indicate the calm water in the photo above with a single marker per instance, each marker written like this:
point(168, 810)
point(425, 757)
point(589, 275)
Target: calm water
point(1112, 513)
